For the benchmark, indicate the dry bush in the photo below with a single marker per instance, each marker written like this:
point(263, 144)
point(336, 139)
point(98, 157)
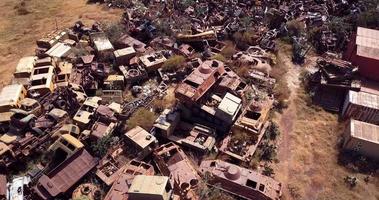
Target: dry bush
point(229, 50)
point(174, 63)
point(242, 71)
point(21, 8)
point(294, 191)
point(159, 105)
point(295, 28)
point(143, 118)
point(114, 31)
point(219, 57)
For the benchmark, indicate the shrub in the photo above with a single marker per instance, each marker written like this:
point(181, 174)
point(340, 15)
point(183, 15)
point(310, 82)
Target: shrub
point(242, 71)
point(268, 171)
point(268, 152)
point(369, 19)
point(100, 148)
point(295, 28)
point(21, 8)
point(219, 57)
point(229, 50)
point(143, 118)
point(114, 31)
point(174, 63)
point(272, 131)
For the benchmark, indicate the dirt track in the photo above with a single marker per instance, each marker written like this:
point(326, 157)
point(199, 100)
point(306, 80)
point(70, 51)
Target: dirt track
point(308, 150)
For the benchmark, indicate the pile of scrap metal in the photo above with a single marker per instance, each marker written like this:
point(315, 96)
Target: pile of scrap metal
point(173, 162)
point(240, 181)
point(125, 176)
point(299, 49)
point(69, 164)
point(69, 100)
point(334, 78)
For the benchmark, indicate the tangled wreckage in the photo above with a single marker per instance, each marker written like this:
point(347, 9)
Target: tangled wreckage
point(72, 102)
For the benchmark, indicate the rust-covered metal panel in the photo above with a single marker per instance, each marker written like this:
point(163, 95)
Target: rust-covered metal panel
point(120, 187)
point(173, 162)
point(199, 81)
point(65, 175)
point(240, 181)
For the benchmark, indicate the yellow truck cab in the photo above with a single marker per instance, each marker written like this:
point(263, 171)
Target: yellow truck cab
point(66, 143)
point(41, 81)
point(24, 69)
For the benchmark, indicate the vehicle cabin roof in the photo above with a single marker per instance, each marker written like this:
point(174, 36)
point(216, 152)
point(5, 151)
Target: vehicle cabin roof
point(242, 176)
point(59, 50)
point(114, 77)
point(43, 72)
point(367, 43)
point(10, 94)
point(92, 101)
point(364, 99)
point(124, 52)
point(45, 62)
point(153, 59)
point(52, 37)
point(69, 129)
point(3, 148)
point(26, 64)
point(57, 113)
point(72, 140)
point(364, 131)
point(82, 116)
point(65, 68)
point(28, 102)
point(230, 104)
point(148, 185)
point(140, 137)
point(101, 42)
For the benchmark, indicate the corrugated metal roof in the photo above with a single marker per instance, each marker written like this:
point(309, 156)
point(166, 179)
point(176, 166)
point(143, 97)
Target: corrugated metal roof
point(365, 131)
point(59, 50)
point(367, 43)
point(364, 99)
point(368, 33)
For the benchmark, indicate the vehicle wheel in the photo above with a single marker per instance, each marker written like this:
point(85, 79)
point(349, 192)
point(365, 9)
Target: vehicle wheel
point(4, 128)
point(32, 123)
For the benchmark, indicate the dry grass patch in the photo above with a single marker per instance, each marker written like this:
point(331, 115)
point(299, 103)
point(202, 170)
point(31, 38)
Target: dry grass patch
point(313, 170)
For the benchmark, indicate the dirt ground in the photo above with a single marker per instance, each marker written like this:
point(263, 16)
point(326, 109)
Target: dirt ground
point(18, 33)
point(308, 150)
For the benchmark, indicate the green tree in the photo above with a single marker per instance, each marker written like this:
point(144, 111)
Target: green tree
point(114, 31)
point(174, 63)
point(268, 171)
point(219, 57)
point(295, 28)
point(101, 146)
point(143, 118)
